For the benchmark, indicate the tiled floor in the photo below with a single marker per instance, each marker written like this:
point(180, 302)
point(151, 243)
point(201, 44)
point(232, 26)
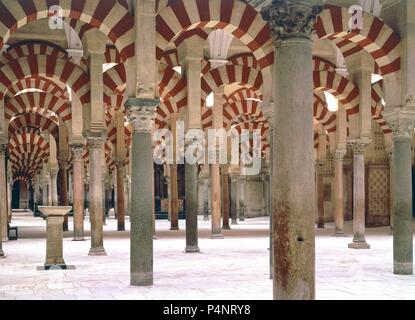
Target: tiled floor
point(236, 267)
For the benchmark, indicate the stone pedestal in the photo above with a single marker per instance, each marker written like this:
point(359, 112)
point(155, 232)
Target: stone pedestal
point(54, 236)
point(359, 241)
point(141, 113)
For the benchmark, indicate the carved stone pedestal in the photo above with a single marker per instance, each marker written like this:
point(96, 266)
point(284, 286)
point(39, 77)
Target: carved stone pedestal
point(54, 236)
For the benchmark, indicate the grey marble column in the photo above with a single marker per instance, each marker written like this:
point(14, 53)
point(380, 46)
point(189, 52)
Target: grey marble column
point(54, 187)
point(3, 193)
point(293, 150)
point(338, 194)
point(242, 204)
point(320, 194)
point(95, 196)
point(141, 113)
point(205, 199)
point(358, 146)
point(234, 200)
point(78, 192)
point(191, 174)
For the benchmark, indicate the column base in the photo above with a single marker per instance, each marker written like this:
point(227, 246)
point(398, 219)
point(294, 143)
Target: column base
point(78, 238)
point(97, 252)
point(234, 222)
point(120, 229)
point(359, 245)
point(61, 266)
point(320, 225)
point(403, 268)
point(339, 234)
point(141, 279)
point(226, 228)
point(216, 236)
point(2, 254)
point(241, 219)
point(5, 239)
point(205, 218)
point(192, 249)
point(174, 228)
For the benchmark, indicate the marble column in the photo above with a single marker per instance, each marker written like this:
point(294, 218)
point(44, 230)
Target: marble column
point(358, 146)
point(141, 113)
point(225, 199)
point(338, 194)
point(192, 245)
point(216, 201)
point(205, 199)
point(293, 151)
point(174, 198)
point(320, 194)
point(234, 196)
point(54, 187)
point(120, 195)
point(3, 194)
point(95, 145)
point(242, 204)
point(78, 192)
point(63, 182)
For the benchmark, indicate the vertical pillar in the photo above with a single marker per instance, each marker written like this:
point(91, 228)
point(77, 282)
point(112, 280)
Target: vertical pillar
point(205, 182)
point(3, 194)
point(141, 114)
point(234, 196)
point(95, 145)
point(359, 241)
point(174, 198)
point(242, 204)
point(320, 166)
point(54, 187)
point(63, 182)
point(338, 194)
point(78, 192)
point(120, 195)
point(216, 201)
point(192, 245)
point(225, 198)
point(294, 190)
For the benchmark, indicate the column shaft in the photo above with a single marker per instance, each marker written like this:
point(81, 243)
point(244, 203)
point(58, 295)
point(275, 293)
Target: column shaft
point(3, 195)
point(120, 197)
point(338, 196)
point(216, 201)
point(78, 194)
point(225, 199)
point(191, 208)
point(174, 199)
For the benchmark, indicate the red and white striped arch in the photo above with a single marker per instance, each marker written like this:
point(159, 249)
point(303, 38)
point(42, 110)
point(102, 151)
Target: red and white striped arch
point(323, 115)
point(378, 39)
point(172, 85)
point(41, 83)
point(377, 107)
point(320, 64)
point(109, 16)
point(235, 17)
point(46, 66)
point(38, 102)
point(235, 110)
point(342, 88)
point(243, 94)
point(33, 120)
point(244, 59)
point(115, 80)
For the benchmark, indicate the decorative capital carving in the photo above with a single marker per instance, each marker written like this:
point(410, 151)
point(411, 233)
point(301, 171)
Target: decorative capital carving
point(95, 142)
point(402, 122)
point(142, 113)
point(291, 18)
point(3, 150)
point(359, 145)
point(338, 155)
point(77, 151)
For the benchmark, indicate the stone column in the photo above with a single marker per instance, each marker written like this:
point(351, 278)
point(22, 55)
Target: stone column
point(54, 187)
point(63, 182)
point(402, 125)
point(95, 145)
point(174, 198)
point(141, 113)
point(205, 199)
point(225, 198)
point(358, 146)
point(338, 194)
point(192, 245)
point(216, 201)
point(45, 191)
point(234, 196)
point(120, 195)
point(320, 194)
point(242, 204)
point(78, 192)
point(293, 148)
point(3, 194)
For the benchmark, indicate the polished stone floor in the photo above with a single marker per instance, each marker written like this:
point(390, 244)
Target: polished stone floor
point(236, 267)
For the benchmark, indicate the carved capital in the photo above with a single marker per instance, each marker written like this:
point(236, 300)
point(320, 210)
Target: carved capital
point(77, 151)
point(95, 142)
point(291, 18)
point(3, 150)
point(358, 146)
point(402, 122)
point(141, 113)
point(338, 155)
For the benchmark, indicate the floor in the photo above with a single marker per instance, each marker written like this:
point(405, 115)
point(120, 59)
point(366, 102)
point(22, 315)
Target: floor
point(236, 267)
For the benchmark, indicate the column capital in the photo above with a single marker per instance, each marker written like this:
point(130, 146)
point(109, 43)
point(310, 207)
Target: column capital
point(402, 122)
point(119, 163)
point(77, 151)
point(291, 18)
point(3, 150)
point(95, 142)
point(141, 113)
point(359, 145)
point(338, 155)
